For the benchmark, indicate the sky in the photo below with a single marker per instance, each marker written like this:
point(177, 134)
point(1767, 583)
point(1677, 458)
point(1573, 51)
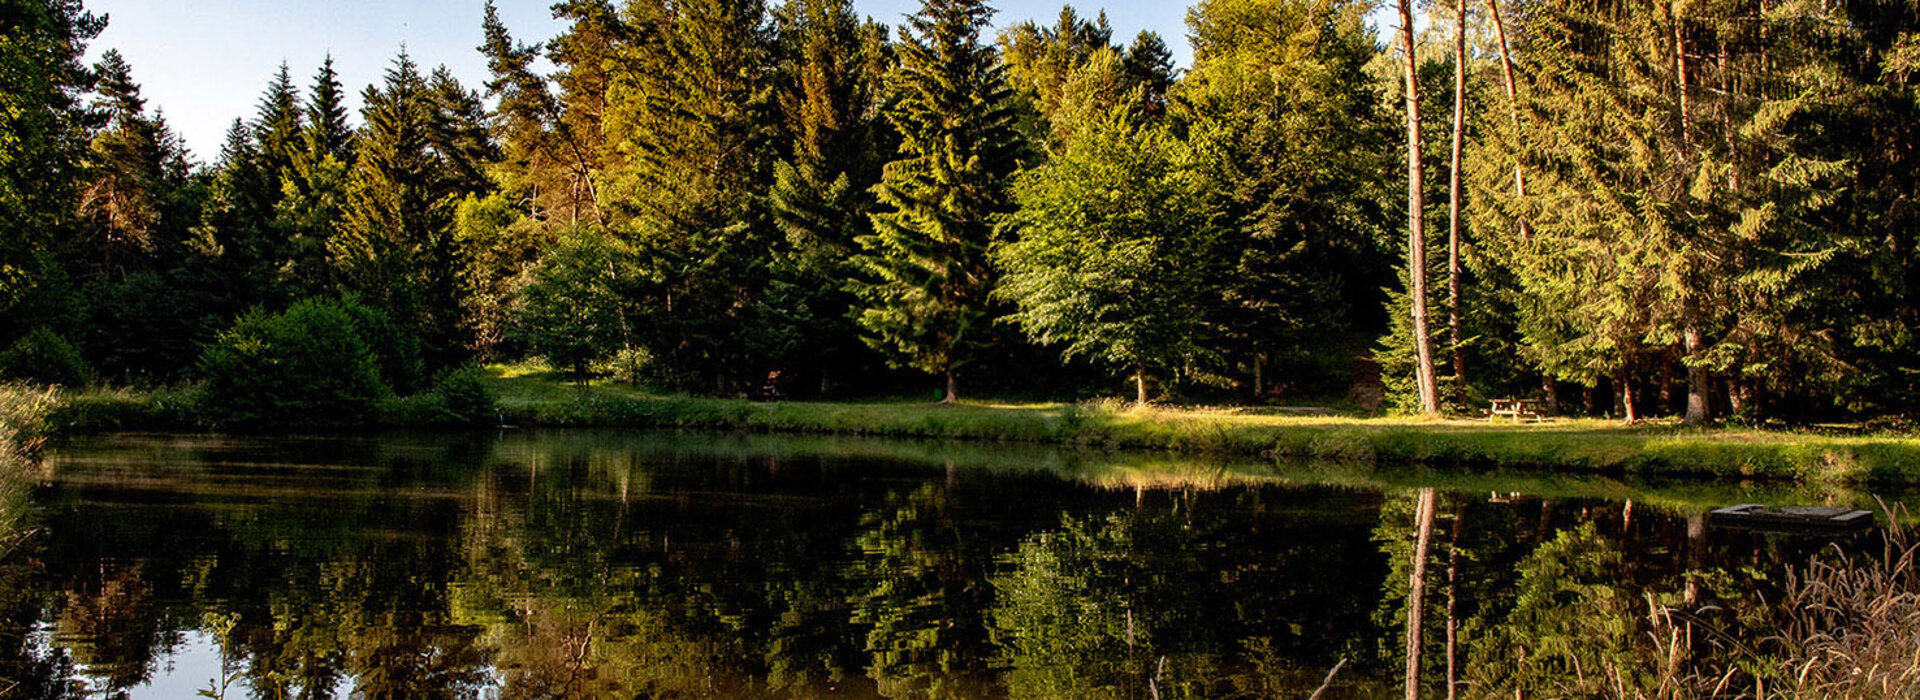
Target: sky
point(206, 62)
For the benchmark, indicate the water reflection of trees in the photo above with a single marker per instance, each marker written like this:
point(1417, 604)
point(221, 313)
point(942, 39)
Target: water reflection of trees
point(593, 573)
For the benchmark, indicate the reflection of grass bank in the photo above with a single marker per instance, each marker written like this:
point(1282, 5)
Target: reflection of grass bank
point(1584, 446)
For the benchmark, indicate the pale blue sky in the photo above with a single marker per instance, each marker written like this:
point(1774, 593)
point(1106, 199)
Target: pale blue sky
point(205, 62)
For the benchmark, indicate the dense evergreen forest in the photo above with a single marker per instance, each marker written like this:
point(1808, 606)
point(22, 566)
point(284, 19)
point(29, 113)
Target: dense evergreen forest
point(1625, 207)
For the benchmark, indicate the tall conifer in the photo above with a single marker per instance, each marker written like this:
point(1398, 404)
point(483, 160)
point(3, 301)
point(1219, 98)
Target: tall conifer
point(926, 267)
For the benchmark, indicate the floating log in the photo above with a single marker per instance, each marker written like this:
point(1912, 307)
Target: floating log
point(1754, 516)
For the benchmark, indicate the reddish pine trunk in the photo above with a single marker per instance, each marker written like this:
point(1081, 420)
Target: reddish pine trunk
point(1456, 336)
point(1417, 221)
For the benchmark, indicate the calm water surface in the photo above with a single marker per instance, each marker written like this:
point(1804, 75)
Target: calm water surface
point(619, 565)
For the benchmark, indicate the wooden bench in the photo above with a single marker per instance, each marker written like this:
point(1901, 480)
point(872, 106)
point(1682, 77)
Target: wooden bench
point(1521, 410)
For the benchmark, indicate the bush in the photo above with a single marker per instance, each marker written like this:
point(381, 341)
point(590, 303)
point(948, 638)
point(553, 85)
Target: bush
point(463, 396)
point(310, 365)
point(396, 348)
point(43, 357)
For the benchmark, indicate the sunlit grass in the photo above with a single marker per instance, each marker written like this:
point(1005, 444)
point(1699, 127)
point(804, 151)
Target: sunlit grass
point(532, 396)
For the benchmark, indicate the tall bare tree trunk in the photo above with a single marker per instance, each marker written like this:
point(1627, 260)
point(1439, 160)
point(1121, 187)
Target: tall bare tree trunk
point(1513, 110)
point(1698, 410)
point(1417, 224)
point(1456, 337)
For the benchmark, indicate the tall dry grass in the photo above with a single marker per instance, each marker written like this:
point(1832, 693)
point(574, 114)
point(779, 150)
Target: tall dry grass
point(1846, 625)
point(23, 425)
point(1850, 623)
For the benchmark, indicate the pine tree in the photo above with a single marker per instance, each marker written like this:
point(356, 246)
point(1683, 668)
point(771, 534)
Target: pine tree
point(43, 138)
point(820, 197)
point(327, 132)
point(395, 245)
point(1149, 66)
point(926, 263)
point(277, 127)
point(313, 200)
point(545, 156)
point(124, 194)
point(689, 129)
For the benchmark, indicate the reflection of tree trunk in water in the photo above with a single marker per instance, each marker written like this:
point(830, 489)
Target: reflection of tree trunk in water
point(953, 475)
point(1696, 554)
point(1417, 591)
point(1546, 520)
point(1453, 598)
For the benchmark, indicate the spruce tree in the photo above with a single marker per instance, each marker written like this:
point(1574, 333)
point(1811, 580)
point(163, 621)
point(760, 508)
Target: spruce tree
point(327, 132)
point(278, 129)
point(1149, 66)
point(820, 195)
point(1041, 60)
point(689, 126)
point(394, 246)
point(313, 200)
point(43, 136)
point(926, 267)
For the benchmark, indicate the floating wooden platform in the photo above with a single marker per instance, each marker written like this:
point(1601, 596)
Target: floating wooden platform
point(1755, 516)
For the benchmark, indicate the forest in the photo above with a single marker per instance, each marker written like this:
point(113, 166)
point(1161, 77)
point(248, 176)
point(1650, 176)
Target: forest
point(1621, 207)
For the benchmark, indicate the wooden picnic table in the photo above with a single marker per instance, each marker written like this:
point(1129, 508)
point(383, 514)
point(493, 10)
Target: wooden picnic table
point(1519, 409)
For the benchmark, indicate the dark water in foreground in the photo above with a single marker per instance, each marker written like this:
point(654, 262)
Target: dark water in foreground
point(590, 565)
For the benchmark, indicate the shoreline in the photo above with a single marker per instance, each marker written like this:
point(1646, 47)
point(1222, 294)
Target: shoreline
point(1560, 446)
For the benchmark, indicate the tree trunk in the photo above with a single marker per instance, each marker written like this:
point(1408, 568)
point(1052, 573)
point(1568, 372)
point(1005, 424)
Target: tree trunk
point(1513, 111)
point(1140, 386)
point(1416, 225)
point(1551, 392)
point(1627, 399)
point(1698, 410)
point(1456, 337)
point(953, 390)
point(1417, 589)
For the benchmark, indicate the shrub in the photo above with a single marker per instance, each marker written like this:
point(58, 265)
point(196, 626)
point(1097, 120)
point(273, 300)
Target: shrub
point(43, 357)
point(310, 365)
point(462, 396)
point(395, 347)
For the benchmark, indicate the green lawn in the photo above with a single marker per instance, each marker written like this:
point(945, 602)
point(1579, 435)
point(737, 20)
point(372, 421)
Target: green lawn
point(532, 398)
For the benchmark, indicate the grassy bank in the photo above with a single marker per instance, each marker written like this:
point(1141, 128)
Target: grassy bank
point(529, 399)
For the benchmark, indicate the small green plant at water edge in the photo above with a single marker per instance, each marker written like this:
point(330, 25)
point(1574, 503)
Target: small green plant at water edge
point(463, 396)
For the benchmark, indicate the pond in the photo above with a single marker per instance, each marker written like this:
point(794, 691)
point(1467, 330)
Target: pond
point(609, 564)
